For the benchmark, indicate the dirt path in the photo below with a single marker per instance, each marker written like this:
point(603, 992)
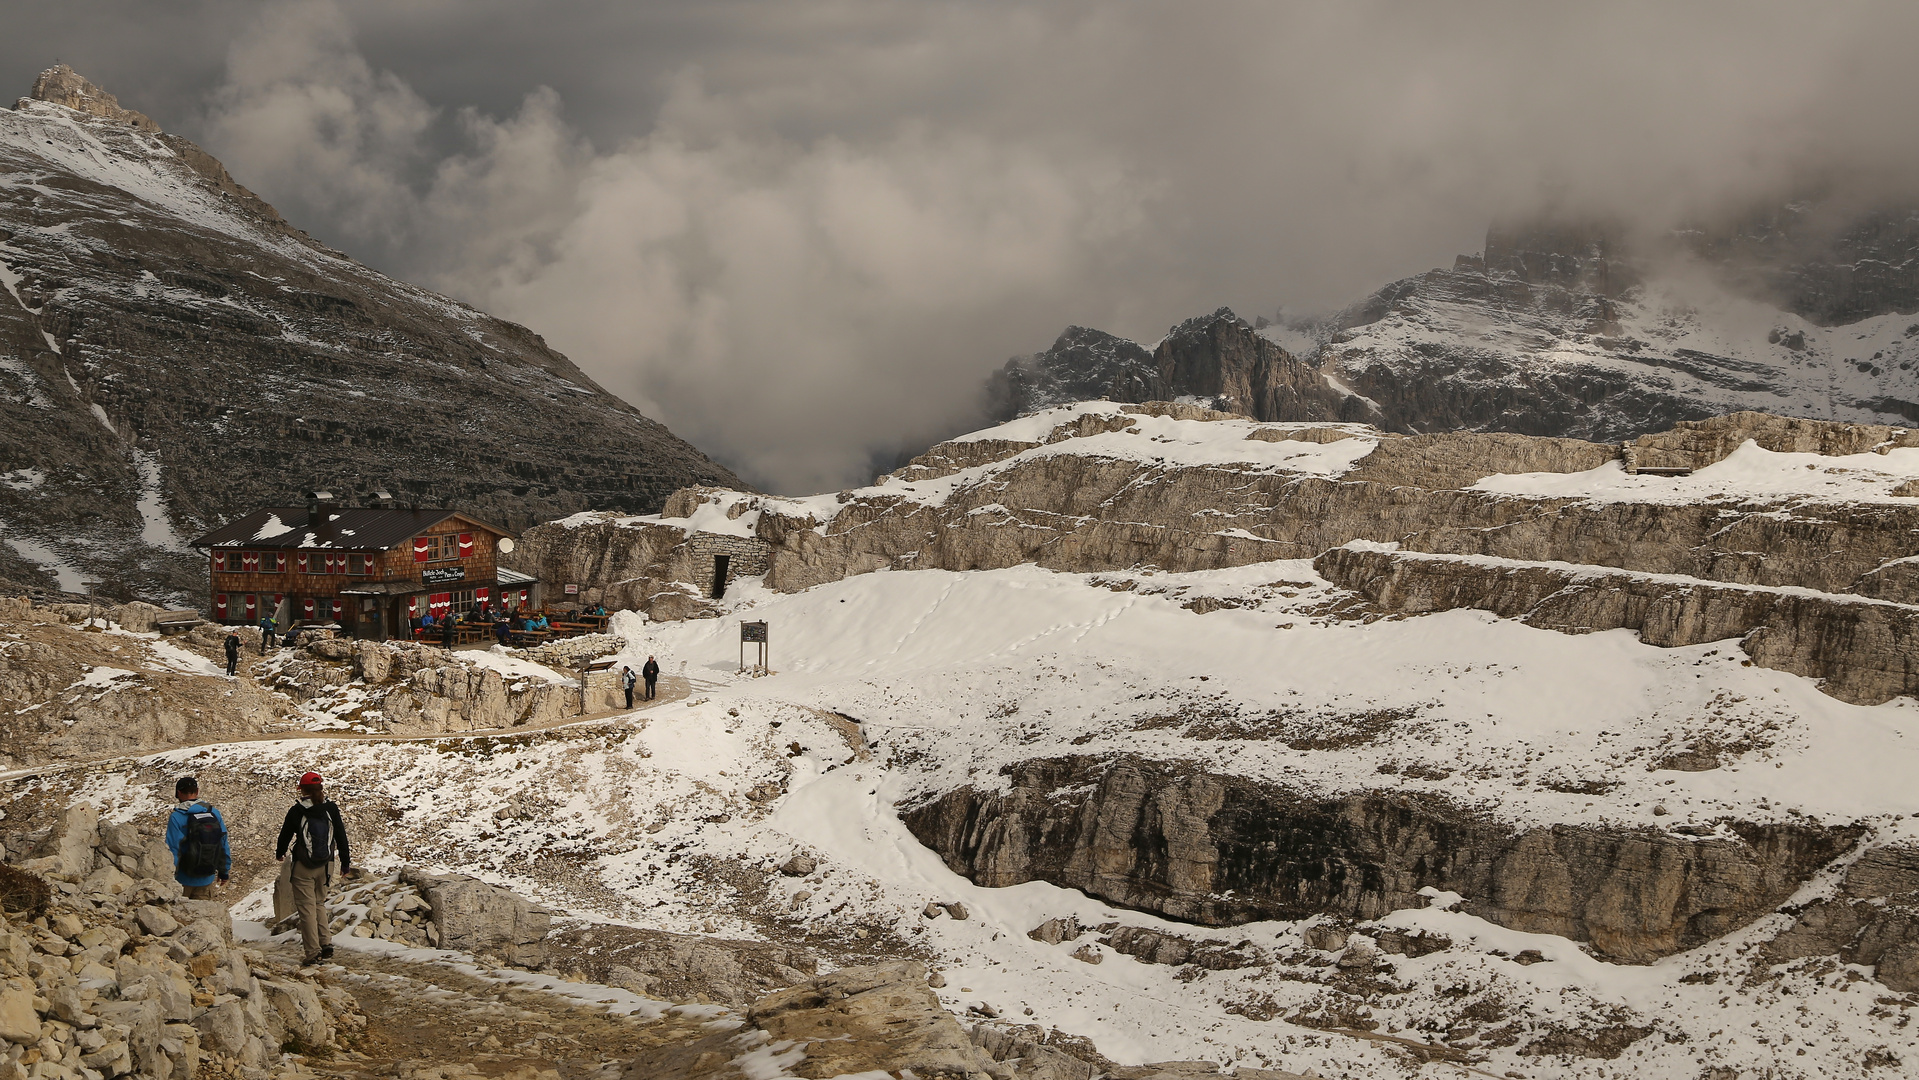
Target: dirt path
point(425, 1019)
point(672, 688)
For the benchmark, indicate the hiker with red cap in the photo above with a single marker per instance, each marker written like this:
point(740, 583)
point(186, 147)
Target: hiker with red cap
point(315, 832)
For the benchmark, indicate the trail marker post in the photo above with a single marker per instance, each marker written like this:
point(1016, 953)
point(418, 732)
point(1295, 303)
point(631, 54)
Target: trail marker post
point(753, 633)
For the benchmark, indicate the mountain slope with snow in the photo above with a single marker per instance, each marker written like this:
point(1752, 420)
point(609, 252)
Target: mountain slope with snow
point(173, 353)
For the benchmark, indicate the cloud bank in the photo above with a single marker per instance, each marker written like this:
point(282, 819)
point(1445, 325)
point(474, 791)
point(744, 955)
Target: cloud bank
point(800, 234)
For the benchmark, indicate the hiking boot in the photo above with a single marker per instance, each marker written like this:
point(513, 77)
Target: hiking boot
point(326, 952)
point(310, 961)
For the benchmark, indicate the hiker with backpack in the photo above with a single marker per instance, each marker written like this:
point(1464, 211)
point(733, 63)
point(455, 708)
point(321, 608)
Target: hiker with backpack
point(313, 833)
point(197, 836)
point(627, 679)
point(233, 653)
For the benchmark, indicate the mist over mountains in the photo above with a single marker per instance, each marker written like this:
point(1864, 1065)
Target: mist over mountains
point(802, 237)
point(1557, 327)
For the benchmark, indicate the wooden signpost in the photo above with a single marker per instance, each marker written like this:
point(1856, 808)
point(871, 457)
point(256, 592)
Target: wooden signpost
point(753, 633)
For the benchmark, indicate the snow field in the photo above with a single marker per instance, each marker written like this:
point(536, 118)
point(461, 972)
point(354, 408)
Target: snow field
point(951, 676)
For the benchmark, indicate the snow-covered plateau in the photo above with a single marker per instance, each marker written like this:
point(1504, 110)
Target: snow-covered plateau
point(1270, 813)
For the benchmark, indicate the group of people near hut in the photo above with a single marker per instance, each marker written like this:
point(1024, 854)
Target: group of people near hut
point(313, 836)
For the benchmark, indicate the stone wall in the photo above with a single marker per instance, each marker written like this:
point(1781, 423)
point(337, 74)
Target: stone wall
point(746, 556)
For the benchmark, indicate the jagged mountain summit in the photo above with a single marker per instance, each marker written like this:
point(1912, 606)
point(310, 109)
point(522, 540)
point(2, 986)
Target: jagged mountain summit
point(1563, 328)
point(1215, 361)
point(173, 353)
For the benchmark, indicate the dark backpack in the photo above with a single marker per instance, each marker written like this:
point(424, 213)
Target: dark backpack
point(200, 842)
point(316, 836)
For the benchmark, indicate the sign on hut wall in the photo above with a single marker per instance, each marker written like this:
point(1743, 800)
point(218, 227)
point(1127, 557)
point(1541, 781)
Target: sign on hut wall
point(440, 575)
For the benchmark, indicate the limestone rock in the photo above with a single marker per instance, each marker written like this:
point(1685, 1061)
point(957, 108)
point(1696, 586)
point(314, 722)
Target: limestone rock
point(1855, 647)
point(1898, 967)
point(799, 866)
point(473, 916)
point(19, 1021)
point(62, 85)
point(1224, 850)
point(881, 1017)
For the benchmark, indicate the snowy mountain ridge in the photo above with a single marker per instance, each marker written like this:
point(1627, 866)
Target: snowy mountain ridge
point(1561, 329)
point(173, 354)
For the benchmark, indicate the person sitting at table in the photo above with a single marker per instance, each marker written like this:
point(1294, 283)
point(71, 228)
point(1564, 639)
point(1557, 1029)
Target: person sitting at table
point(426, 621)
point(599, 610)
point(544, 625)
point(503, 630)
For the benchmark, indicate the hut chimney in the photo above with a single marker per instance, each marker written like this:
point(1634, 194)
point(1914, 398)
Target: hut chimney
point(319, 509)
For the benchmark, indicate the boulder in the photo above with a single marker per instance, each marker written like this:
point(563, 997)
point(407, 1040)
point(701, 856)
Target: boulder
point(475, 917)
point(69, 848)
point(19, 1021)
point(135, 616)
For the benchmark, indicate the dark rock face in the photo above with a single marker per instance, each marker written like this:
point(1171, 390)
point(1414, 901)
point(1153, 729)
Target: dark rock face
point(1216, 360)
point(1082, 365)
point(1830, 262)
point(172, 354)
point(1222, 850)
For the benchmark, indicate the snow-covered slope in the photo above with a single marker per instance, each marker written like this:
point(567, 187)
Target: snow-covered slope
point(892, 688)
point(1469, 348)
point(173, 354)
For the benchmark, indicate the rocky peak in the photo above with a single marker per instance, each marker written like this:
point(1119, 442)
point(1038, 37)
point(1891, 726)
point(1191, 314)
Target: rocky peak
point(62, 85)
point(1580, 255)
point(1084, 364)
point(1217, 360)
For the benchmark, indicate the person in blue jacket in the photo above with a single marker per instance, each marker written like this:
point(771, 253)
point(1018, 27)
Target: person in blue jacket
point(197, 836)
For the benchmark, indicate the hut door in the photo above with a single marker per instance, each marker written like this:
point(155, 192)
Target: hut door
point(720, 563)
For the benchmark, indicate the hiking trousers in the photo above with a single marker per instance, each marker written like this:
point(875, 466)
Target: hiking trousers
point(650, 683)
point(309, 899)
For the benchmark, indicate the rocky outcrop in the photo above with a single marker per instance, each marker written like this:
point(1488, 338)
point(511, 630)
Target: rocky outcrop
point(406, 688)
point(880, 1020)
point(472, 916)
point(1874, 919)
point(70, 691)
point(1695, 444)
point(1861, 649)
point(121, 976)
point(134, 248)
point(1217, 359)
point(1221, 850)
point(62, 85)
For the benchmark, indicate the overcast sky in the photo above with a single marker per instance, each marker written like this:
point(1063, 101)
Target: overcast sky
point(802, 233)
